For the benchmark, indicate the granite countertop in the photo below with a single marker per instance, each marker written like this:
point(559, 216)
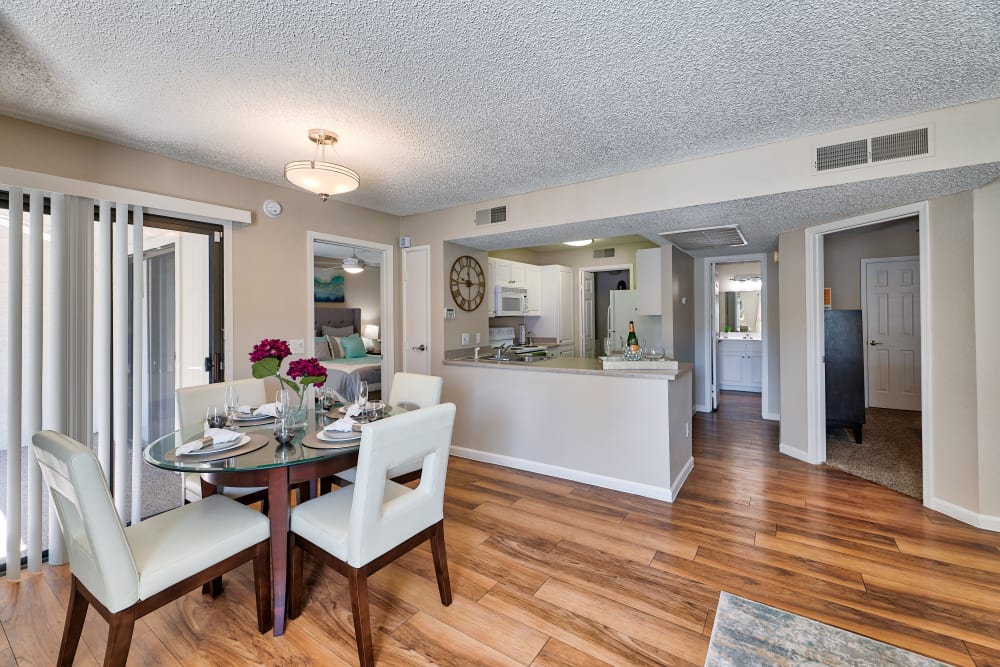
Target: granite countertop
point(576, 365)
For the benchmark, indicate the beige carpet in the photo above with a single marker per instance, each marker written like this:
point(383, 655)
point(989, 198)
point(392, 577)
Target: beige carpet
point(890, 454)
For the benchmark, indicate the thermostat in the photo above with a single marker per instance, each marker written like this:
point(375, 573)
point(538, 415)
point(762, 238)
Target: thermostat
point(272, 208)
point(449, 313)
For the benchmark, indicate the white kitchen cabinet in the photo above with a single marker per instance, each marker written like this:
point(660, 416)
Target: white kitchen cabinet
point(501, 272)
point(555, 319)
point(507, 273)
point(533, 282)
point(490, 297)
point(739, 364)
point(517, 274)
point(648, 281)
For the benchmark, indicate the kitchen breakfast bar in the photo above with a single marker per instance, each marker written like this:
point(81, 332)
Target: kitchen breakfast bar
point(628, 430)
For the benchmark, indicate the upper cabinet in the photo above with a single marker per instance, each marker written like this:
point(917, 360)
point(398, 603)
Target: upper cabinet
point(507, 273)
point(533, 281)
point(648, 281)
point(501, 272)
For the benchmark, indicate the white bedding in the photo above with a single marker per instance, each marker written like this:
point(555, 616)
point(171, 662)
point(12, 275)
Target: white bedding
point(343, 375)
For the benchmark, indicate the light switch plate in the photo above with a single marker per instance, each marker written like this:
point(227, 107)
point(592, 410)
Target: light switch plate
point(297, 346)
point(465, 339)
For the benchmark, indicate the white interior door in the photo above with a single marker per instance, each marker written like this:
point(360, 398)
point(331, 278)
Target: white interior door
point(416, 310)
point(892, 332)
point(587, 336)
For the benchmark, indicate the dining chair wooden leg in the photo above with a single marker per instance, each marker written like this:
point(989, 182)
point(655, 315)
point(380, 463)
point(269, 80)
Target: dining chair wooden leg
point(441, 562)
point(76, 614)
point(358, 582)
point(213, 587)
point(295, 592)
point(121, 624)
point(262, 586)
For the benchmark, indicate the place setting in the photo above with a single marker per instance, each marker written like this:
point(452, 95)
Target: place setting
point(345, 430)
point(217, 443)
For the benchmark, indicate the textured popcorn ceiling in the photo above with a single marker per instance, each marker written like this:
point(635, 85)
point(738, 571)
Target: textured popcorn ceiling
point(444, 103)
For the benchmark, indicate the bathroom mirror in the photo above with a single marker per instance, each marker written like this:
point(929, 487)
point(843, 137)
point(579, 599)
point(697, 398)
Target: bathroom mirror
point(739, 309)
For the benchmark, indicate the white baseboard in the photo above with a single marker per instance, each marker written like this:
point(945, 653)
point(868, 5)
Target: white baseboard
point(772, 416)
point(700, 407)
point(984, 521)
point(614, 483)
point(794, 452)
point(675, 488)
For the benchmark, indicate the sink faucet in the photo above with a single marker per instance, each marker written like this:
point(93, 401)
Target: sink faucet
point(503, 348)
point(476, 352)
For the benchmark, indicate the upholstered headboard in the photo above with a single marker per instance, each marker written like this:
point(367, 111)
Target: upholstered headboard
point(337, 317)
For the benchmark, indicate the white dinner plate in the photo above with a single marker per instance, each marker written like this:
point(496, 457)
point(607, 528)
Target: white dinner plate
point(241, 417)
point(212, 449)
point(337, 436)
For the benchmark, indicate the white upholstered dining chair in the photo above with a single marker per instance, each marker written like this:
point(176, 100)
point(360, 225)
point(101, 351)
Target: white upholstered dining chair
point(126, 573)
point(410, 390)
point(192, 405)
point(359, 529)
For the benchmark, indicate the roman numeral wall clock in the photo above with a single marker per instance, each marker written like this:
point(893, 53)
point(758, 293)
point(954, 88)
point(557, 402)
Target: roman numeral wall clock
point(468, 283)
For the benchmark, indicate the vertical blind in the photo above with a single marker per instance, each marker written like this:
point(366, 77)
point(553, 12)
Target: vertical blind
point(68, 343)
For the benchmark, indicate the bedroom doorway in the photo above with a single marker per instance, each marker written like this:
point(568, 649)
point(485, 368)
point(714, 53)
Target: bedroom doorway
point(351, 285)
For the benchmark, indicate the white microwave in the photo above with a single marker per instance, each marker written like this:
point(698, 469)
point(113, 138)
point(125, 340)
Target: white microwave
point(510, 301)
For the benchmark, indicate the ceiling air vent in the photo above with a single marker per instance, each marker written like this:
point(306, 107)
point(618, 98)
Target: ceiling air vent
point(837, 156)
point(900, 145)
point(602, 253)
point(723, 236)
point(491, 216)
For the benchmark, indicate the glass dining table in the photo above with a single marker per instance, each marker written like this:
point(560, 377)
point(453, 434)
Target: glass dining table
point(280, 468)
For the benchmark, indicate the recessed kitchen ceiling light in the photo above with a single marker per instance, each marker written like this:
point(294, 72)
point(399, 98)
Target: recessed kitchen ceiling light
point(578, 244)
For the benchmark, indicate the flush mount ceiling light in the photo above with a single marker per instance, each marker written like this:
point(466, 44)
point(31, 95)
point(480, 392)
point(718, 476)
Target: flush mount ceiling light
point(317, 175)
point(353, 264)
point(579, 244)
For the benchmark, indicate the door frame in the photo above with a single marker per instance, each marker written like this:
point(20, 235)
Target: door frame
point(710, 360)
point(579, 293)
point(815, 378)
point(864, 307)
point(427, 287)
point(386, 298)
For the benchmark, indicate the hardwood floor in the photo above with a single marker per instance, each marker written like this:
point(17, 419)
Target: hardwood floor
point(547, 572)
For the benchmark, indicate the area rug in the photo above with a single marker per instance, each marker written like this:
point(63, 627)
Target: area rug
point(750, 633)
point(890, 454)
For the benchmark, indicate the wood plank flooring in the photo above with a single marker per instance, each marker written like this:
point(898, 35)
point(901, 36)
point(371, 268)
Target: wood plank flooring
point(547, 572)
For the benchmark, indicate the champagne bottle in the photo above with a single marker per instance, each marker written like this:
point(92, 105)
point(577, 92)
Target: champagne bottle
point(633, 341)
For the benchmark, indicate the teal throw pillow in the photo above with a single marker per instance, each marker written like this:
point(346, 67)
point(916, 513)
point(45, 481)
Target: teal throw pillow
point(353, 347)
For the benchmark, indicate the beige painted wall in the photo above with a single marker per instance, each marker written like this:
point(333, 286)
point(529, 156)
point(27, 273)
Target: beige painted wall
point(473, 322)
point(953, 351)
point(683, 313)
point(986, 231)
point(792, 322)
point(843, 252)
point(269, 255)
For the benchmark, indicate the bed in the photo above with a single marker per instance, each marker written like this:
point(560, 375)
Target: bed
point(343, 375)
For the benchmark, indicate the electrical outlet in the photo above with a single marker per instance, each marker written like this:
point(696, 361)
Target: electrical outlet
point(297, 346)
point(465, 339)
point(478, 341)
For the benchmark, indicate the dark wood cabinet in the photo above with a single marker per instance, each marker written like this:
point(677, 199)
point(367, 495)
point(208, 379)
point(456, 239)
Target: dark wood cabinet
point(845, 370)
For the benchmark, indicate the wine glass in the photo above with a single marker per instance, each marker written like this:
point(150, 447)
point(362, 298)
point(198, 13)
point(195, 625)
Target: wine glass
point(282, 400)
point(284, 430)
point(232, 401)
point(216, 417)
point(326, 399)
point(363, 397)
